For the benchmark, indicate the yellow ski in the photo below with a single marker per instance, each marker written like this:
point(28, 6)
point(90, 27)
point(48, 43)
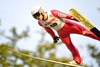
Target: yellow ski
point(84, 21)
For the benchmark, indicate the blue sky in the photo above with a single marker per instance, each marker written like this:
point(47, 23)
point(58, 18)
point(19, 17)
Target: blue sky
point(17, 13)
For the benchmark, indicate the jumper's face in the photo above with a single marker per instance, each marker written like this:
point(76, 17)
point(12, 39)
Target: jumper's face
point(38, 16)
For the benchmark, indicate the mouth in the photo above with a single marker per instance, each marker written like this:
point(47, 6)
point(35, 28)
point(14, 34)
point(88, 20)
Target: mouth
point(38, 18)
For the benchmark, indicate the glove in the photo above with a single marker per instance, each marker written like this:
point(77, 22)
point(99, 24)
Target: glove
point(56, 39)
point(72, 18)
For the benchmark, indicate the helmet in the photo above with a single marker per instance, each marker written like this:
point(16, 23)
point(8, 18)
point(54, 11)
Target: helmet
point(36, 9)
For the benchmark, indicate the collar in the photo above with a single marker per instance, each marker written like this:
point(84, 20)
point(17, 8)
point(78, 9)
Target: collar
point(46, 16)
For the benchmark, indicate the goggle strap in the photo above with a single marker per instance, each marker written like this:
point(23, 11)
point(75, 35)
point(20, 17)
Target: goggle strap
point(40, 10)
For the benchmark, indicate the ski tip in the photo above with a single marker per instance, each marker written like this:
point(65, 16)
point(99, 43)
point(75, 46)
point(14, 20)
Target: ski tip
point(72, 9)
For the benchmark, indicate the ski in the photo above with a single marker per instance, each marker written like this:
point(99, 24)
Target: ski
point(84, 21)
point(42, 59)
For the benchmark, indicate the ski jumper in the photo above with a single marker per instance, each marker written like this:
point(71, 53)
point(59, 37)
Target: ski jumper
point(64, 28)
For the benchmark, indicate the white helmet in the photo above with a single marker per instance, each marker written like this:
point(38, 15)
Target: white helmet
point(36, 9)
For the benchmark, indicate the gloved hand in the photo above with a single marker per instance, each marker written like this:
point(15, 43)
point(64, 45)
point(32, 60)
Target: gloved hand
point(56, 39)
point(72, 18)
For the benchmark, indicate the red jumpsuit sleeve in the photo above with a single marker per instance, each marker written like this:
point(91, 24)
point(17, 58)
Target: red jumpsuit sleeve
point(60, 14)
point(49, 30)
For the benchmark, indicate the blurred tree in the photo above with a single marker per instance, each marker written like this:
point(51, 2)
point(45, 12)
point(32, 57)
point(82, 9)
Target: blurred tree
point(43, 50)
point(95, 53)
point(0, 22)
point(7, 58)
point(98, 9)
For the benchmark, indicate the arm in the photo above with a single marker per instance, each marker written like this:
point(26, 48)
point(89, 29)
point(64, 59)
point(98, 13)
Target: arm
point(59, 14)
point(49, 30)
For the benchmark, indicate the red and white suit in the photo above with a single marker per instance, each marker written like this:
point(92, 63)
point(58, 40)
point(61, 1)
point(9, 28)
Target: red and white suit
point(64, 28)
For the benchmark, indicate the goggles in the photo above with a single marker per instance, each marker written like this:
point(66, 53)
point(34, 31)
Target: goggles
point(36, 15)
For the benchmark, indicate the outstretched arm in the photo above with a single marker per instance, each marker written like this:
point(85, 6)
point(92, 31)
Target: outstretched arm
point(60, 14)
point(49, 30)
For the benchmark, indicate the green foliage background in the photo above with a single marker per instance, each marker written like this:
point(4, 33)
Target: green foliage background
point(10, 59)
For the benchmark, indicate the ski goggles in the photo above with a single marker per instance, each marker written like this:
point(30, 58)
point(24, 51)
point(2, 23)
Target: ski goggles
point(36, 15)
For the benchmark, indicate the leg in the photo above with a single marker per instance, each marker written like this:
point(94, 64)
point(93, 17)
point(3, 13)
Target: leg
point(76, 28)
point(83, 31)
point(72, 48)
point(90, 34)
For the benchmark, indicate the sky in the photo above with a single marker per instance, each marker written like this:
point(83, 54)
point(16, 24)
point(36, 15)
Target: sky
point(17, 13)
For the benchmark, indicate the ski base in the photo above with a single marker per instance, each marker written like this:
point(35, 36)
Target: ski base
point(84, 21)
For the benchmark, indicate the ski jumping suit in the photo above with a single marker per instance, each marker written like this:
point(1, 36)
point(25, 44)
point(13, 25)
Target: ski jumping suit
point(64, 28)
